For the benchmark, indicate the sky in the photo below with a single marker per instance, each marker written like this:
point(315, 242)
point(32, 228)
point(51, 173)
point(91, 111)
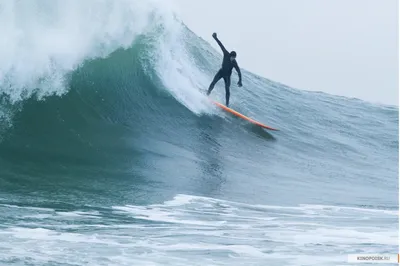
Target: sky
point(342, 47)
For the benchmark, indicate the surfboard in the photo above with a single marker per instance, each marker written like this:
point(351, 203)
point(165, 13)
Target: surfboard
point(243, 116)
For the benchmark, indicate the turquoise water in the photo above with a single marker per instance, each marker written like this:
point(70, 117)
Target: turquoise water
point(111, 155)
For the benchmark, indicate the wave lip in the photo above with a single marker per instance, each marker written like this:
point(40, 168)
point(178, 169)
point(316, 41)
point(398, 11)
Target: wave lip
point(43, 41)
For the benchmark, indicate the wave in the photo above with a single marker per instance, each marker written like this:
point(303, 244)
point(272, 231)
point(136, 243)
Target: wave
point(102, 82)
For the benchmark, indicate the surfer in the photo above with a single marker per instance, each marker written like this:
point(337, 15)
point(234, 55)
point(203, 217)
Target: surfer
point(225, 72)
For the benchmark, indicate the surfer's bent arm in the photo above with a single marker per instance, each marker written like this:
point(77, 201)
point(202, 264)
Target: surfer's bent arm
point(238, 71)
point(221, 45)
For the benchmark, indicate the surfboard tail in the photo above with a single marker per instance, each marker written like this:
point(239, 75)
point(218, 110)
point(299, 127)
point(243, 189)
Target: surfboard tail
point(236, 113)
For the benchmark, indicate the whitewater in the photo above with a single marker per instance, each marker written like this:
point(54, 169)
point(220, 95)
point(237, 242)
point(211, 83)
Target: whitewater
point(110, 154)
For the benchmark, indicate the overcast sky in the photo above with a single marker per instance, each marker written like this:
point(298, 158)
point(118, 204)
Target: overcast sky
point(342, 47)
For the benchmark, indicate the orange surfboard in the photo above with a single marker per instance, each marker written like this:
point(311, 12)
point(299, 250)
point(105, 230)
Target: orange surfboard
point(243, 116)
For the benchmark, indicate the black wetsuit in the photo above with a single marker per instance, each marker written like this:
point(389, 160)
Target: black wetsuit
point(225, 72)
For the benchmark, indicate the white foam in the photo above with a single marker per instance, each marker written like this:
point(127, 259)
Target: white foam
point(27, 207)
point(161, 215)
point(343, 208)
point(178, 71)
point(192, 230)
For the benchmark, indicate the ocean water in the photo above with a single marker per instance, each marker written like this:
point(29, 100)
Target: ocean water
point(110, 154)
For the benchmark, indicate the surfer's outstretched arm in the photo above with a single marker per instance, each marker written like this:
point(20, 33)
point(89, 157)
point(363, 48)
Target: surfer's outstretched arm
point(220, 44)
point(239, 73)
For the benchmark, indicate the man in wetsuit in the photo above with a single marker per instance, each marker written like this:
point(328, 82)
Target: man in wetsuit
point(225, 72)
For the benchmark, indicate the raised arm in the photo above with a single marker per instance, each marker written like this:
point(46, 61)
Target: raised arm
point(220, 44)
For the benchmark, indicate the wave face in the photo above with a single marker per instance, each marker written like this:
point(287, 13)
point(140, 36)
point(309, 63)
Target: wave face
point(107, 139)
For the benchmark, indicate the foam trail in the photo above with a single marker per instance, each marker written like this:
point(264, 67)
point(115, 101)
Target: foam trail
point(43, 41)
point(178, 71)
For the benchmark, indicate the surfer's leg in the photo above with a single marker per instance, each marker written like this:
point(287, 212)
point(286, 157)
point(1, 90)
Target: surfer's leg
point(227, 80)
point(217, 77)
